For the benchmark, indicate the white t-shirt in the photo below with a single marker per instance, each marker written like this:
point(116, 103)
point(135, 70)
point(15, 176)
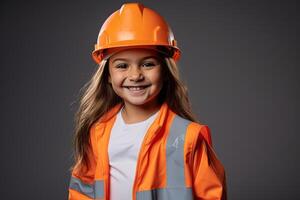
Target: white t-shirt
point(123, 149)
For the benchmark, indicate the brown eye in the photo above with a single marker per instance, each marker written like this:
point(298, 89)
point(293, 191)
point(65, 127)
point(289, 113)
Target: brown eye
point(122, 66)
point(148, 64)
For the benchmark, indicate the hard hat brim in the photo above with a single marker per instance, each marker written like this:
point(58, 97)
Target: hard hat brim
point(102, 53)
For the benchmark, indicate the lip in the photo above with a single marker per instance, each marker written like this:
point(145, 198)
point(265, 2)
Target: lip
point(127, 86)
point(136, 92)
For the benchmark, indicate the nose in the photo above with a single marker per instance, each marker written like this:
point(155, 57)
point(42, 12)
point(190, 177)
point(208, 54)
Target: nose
point(135, 74)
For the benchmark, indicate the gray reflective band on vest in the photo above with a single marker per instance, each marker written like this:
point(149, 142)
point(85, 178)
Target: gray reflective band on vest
point(175, 188)
point(95, 190)
point(175, 154)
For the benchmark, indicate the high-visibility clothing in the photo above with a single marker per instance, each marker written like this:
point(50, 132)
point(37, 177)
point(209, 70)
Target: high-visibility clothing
point(135, 25)
point(176, 162)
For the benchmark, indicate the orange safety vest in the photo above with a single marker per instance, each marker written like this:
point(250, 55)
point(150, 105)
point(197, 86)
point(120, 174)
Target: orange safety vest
point(176, 162)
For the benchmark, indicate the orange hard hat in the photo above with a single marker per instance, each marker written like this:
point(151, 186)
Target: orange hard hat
point(135, 25)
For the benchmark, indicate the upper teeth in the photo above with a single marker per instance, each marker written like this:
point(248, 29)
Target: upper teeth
point(135, 88)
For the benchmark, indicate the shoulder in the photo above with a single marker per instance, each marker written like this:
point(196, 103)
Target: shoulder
point(199, 131)
point(194, 131)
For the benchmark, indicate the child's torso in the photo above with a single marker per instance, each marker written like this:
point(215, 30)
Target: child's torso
point(124, 145)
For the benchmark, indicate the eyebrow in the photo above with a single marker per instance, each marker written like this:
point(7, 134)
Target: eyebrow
point(144, 58)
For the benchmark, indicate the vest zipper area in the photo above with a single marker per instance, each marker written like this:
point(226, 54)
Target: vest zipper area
point(134, 188)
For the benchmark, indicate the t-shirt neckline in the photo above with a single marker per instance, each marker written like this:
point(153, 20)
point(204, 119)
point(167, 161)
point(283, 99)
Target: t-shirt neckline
point(124, 124)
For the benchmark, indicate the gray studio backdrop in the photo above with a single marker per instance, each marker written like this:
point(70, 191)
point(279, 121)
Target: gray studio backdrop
point(240, 61)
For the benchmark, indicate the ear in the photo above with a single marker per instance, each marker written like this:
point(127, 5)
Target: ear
point(109, 79)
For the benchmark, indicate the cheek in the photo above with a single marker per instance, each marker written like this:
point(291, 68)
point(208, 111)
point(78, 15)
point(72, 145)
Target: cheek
point(156, 78)
point(115, 84)
point(116, 79)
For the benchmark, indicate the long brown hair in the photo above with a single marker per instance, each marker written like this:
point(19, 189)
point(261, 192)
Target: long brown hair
point(98, 98)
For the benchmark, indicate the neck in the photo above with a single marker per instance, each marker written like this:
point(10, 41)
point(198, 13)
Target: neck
point(134, 113)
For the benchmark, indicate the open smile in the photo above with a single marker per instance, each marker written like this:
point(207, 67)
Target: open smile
point(136, 88)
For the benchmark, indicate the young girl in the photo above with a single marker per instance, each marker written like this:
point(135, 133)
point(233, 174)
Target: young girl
point(136, 136)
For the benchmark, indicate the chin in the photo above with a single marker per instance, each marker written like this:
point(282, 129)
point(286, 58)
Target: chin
point(139, 102)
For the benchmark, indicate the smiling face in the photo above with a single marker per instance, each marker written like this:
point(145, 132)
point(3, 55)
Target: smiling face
point(135, 76)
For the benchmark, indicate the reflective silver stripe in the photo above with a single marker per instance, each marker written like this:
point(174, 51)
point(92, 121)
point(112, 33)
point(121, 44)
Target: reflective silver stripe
point(175, 154)
point(175, 188)
point(93, 191)
point(182, 193)
point(99, 189)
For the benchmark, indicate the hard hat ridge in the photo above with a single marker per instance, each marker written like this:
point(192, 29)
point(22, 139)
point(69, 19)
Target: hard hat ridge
point(129, 7)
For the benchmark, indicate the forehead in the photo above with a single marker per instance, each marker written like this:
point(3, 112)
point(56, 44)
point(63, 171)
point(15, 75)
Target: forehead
point(135, 54)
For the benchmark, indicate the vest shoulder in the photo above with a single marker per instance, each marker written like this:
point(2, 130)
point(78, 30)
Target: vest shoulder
point(197, 131)
point(191, 124)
